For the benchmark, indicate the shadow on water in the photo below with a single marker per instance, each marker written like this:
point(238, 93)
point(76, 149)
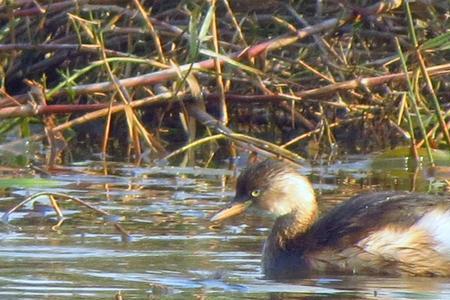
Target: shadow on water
point(173, 251)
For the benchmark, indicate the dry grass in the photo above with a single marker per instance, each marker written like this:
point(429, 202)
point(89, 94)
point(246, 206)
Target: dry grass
point(312, 77)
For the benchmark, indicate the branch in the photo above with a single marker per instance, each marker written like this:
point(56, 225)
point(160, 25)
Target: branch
point(29, 110)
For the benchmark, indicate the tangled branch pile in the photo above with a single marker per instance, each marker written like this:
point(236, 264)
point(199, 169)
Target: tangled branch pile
point(342, 75)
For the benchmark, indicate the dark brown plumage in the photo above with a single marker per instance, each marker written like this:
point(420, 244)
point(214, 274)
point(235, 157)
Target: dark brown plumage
point(391, 233)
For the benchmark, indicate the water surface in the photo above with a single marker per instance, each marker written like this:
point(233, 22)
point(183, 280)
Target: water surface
point(173, 251)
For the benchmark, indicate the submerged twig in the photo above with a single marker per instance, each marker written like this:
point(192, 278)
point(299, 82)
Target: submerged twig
point(58, 211)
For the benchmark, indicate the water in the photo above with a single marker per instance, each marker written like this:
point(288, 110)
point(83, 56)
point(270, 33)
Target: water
point(173, 250)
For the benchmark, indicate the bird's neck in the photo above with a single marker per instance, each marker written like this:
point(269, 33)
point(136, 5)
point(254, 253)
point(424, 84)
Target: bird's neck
point(280, 259)
point(292, 225)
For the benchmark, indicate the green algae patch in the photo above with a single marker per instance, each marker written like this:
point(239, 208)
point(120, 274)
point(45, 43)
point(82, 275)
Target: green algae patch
point(29, 183)
point(402, 157)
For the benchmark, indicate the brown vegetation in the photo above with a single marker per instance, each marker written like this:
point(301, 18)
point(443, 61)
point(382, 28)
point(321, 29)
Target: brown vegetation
point(357, 76)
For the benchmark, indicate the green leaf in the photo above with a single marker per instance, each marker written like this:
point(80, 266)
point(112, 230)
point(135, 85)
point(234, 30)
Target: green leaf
point(25, 127)
point(204, 29)
point(194, 41)
point(442, 42)
point(230, 61)
point(9, 124)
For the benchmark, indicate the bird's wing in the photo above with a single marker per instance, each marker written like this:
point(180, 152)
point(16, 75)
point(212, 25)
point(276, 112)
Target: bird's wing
point(361, 215)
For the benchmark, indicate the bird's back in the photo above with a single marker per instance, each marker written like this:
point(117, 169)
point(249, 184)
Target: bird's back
point(394, 233)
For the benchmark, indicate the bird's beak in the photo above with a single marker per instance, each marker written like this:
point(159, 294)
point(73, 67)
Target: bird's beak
point(233, 209)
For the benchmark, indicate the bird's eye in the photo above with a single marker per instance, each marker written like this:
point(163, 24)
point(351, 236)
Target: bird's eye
point(255, 193)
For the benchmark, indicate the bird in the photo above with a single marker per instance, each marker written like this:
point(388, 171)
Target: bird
point(389, 233)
